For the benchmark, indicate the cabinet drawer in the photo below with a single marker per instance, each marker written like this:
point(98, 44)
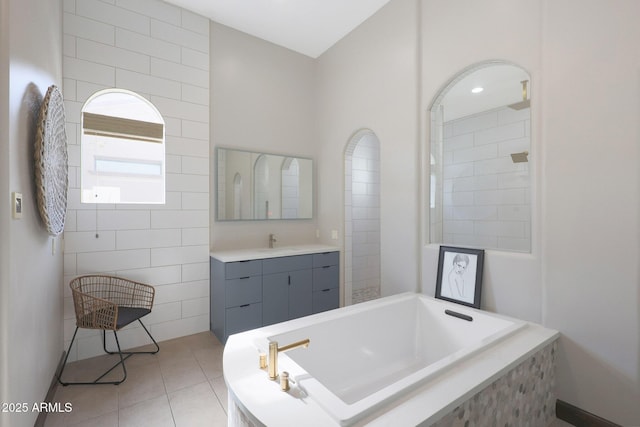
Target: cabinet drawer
point(287, 263)
point(325, 300)
point(234, 270)
point(243, 318)
point(326, 277)
point(326, 258)
point(243, 291)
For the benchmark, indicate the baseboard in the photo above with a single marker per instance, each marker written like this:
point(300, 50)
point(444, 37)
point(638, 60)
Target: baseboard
point(42, 416)
point(579, 417)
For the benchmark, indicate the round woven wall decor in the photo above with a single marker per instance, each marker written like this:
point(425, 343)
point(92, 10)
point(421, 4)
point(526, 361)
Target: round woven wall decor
point(51, 162)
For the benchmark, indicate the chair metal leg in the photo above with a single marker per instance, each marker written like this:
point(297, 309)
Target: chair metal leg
point(64, 364)
point(97, 380)
point(129, 353)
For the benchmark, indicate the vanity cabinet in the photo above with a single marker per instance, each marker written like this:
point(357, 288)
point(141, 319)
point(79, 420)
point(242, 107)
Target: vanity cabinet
point(250, 293)
point(236, 298)
point(286, 288)
point(326, 281)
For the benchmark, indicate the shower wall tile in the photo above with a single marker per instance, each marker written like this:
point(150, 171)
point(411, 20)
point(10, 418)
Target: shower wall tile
point(475, 213)
point(475, 123)
point(140, 45)
point(88, 29)
point(501, 133)
point(485, 196)
point(476, 153)
point(458, 142)
point(103, 12)
point(515, 196)
point(364, 177)
point(513, 146)
point(112, 56)
point(500, 228)
point(507, 115)
point(513, 244)
point(513, 180)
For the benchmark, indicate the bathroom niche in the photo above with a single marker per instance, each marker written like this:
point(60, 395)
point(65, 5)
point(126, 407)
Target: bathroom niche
point(262, 186)
point(480, 154)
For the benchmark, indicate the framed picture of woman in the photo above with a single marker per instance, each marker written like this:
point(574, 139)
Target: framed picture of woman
point(460, 275)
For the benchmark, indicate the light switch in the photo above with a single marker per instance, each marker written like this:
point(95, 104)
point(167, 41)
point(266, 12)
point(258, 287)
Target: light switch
point(16, 205)
point(334, 234)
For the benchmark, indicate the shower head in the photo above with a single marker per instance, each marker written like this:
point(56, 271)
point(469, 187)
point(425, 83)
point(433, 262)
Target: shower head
point(520, 157)
point(525, 103)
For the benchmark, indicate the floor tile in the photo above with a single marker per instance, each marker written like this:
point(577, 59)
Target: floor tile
point(196, 406)
point(181, 372)
point(106, 420)
point(210, 360)
point(220, 389)
point(153, 413)
point(143, 382)
point(182, 368)
point(88, 401)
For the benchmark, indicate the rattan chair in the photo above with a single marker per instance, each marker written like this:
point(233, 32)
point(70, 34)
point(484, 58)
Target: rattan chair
point(109, 303)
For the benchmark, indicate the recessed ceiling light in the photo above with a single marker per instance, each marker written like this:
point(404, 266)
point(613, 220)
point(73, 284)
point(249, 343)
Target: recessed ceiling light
point(477, 89)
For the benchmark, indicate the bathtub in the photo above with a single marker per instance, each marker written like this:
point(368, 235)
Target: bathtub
point(361, 359)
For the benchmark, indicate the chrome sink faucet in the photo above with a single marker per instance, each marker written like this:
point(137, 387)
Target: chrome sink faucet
point(272, 240)
point(273, 354)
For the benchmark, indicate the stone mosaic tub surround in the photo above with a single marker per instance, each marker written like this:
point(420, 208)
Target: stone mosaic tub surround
point(523, 397)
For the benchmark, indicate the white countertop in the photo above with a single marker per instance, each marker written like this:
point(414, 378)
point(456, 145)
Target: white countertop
point(262, 253)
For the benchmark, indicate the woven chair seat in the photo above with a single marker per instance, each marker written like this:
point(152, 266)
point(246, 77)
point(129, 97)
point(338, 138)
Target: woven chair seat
point(125, 315)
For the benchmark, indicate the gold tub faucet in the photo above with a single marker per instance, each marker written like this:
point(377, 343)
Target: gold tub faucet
point(273, 354)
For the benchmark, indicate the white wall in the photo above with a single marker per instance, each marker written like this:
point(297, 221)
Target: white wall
point(263, 99)
point(31, 275)
point(5, 195)
point(591, 241)
point(582, 276)
point(161, 52)
point(369, 80)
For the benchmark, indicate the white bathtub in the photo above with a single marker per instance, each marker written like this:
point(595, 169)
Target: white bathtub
point(362, 358)
point(393, 345)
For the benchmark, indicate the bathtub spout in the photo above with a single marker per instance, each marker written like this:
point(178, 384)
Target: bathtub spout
point(273, 354)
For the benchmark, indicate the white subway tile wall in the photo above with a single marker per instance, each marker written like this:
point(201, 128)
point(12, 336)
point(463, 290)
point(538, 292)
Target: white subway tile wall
point(161, 52)
point(362, 216)
point(485, 196)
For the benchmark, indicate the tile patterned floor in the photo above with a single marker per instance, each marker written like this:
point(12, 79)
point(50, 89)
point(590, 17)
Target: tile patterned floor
point(182, 385)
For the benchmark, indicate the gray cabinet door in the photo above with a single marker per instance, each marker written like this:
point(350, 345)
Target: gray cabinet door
point(326, 277)
point(327, 299)
point(275, 298)
point(286, 296)
point(243, 318)
point(245, 290)
point(300, 293)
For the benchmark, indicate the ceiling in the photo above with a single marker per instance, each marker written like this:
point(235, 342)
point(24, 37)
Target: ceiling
point(309, 27)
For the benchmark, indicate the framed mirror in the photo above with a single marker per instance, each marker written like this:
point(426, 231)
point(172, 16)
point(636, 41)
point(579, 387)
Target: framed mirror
point(479, 159)
point(262, 186)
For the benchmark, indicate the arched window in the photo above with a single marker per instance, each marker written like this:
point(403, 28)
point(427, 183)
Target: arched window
point(122, 149)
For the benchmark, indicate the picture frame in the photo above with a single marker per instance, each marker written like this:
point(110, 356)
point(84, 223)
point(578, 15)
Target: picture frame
point(459, 277)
